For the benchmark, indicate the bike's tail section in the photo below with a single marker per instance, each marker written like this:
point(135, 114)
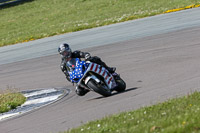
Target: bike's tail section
point(108, 78)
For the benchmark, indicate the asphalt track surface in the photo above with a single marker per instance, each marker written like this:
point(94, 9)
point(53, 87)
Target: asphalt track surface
point(155, 68)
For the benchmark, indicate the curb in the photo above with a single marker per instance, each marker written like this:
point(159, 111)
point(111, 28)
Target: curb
point(35, 100)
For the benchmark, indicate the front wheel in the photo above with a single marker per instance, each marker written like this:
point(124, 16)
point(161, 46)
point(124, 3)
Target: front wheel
point(99, 88)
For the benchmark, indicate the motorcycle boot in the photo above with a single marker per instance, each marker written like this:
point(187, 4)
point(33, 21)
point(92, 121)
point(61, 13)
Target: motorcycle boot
point(111, 69)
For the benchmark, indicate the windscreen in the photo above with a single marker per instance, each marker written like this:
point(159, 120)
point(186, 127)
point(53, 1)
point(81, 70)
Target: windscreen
point(71, 64)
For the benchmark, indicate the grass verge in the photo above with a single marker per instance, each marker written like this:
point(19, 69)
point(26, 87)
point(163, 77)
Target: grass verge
point(41, 18)
point(10, 101)
point(179, 115)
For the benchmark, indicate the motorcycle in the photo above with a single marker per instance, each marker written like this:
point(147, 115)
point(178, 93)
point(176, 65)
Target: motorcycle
point(94, 77)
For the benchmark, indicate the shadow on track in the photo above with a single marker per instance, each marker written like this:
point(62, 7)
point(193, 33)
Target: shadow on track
point(115, 93)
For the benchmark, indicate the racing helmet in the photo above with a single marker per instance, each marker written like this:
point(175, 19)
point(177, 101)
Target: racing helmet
point(64, 50)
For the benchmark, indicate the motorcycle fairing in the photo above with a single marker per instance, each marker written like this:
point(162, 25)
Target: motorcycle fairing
point(81, 68)
point(108, 78)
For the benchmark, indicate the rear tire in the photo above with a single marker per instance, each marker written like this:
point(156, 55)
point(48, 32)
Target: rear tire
point(121, 85)
point(92, 84)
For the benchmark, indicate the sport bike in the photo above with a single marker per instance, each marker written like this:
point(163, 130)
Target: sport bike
point(94, 77)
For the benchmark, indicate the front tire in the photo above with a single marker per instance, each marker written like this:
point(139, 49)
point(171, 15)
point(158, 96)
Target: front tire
point(92, 84)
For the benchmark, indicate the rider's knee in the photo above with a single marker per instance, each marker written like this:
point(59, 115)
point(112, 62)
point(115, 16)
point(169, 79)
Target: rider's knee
point(81, 91)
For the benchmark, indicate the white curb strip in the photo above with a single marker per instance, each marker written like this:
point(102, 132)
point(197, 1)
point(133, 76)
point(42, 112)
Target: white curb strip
point(40, 100)
point(35, 99)
point(39, 92)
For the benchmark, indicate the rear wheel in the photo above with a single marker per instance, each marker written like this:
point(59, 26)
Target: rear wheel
point(121, 85)
point(99, 88)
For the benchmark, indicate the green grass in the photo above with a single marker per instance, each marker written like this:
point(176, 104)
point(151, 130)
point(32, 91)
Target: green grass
point(179, 115)
point(10, 101)
point(43, 18)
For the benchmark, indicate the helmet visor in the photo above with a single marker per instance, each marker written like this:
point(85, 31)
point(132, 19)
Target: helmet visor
point(66, 54)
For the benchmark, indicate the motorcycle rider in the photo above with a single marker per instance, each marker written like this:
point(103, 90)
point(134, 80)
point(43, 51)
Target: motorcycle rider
point(67, 54)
